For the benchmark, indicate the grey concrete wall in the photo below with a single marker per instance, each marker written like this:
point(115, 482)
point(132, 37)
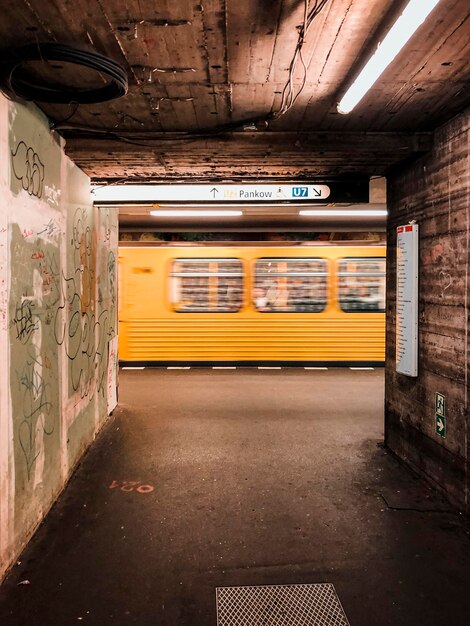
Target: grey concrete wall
point(57, 321)
point(434, 191)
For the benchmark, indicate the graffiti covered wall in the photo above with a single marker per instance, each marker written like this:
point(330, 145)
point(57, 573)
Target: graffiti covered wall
point(57, 321)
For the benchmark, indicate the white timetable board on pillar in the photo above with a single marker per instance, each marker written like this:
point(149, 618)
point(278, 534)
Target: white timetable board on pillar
point(407, 300)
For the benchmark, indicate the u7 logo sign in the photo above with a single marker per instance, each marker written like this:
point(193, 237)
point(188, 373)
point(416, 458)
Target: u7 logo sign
point(300, 192)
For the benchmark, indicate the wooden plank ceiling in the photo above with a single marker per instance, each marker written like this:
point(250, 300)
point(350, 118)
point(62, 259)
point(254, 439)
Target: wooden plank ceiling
point(206, 82)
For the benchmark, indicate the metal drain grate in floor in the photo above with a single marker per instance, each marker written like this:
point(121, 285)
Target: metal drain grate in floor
point(280, 605)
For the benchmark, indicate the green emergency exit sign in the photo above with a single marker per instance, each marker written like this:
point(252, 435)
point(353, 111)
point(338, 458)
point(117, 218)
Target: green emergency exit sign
point(440, 413)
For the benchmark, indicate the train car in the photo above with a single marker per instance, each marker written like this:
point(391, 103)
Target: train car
point(245, 305)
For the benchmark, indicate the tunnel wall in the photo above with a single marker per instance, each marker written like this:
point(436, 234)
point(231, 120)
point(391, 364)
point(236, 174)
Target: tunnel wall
point(57, 321)
point(434, 191)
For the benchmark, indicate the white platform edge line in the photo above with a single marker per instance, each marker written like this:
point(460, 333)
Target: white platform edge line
point(132, 368)
point(260, 367)
point(315, 368)
point(179, 368)
point(222, 367)
point(361, 368)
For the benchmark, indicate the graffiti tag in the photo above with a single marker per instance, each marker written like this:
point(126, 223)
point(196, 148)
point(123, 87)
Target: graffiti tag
point(28, 169)
point(25, 320)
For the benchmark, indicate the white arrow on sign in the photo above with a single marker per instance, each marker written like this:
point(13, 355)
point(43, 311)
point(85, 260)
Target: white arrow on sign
point(440, 424)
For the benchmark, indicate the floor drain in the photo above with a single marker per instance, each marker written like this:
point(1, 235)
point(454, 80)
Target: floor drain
point(280, 605)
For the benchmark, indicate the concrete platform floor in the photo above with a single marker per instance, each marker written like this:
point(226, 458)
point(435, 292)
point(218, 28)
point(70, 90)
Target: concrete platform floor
point(259, 477)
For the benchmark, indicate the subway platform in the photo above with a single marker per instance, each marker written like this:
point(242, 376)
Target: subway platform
point(207, 479)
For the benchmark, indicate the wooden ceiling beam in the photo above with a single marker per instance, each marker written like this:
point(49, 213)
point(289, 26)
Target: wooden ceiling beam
point(317, 141)
point(241, 156)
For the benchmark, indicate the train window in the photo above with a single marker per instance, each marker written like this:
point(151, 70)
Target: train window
point(290, 285)
point(206, 285)
point(361, 285)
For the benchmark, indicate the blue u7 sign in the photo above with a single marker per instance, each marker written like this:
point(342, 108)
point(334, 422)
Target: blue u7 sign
point(312, 192)
point(300, 192)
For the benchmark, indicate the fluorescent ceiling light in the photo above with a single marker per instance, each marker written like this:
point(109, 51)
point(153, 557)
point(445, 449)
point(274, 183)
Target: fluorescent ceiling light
point(223, 205)
point(196, 213)
point(412, 17)
point(344, 213)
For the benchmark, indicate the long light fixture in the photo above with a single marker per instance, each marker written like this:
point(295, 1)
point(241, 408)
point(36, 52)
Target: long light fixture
point(232, 205)
point(195, 213)
point(344, 213)
point(412, 17)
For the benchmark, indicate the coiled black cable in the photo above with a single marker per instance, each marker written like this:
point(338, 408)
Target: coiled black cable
point(14, 81)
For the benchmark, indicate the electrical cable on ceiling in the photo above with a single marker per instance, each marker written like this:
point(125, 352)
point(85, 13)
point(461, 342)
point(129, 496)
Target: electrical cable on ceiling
point(66, 119)
point(16, 81)
point(289, 97)
point(289, 93)
point(139, 139)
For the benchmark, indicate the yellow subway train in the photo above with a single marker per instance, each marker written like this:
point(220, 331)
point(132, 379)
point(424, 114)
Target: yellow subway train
point(294, 305)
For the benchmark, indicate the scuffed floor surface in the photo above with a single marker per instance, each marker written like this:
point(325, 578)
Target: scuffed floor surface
point(212, 478)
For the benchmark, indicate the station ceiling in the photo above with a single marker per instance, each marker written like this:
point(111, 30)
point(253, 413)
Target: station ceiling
point(206, 80)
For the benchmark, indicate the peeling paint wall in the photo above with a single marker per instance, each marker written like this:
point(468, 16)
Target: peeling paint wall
point(57, 321)
point(434, 191)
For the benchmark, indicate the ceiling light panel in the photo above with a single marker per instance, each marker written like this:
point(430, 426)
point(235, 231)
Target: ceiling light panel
point(406, 25)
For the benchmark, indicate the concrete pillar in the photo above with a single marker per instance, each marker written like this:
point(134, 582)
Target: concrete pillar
point(58, 323)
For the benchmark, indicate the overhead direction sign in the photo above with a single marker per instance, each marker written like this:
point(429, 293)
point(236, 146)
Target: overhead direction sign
point(211, 193)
